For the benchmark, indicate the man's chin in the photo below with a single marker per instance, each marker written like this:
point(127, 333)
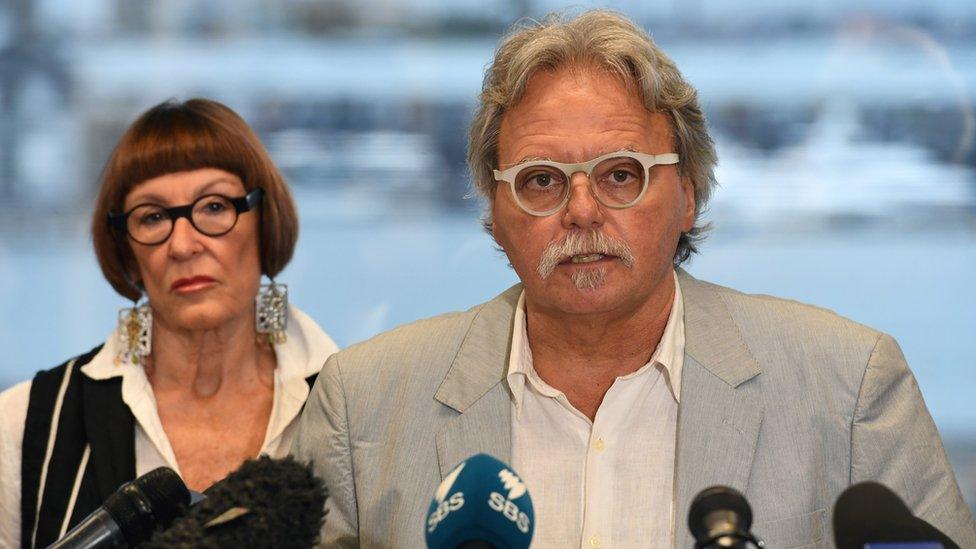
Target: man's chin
point(568, 298)
point(589, 280)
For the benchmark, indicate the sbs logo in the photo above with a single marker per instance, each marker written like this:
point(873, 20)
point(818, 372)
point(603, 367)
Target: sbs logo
point(514, 485)
point(504, 505)
point(445, 504)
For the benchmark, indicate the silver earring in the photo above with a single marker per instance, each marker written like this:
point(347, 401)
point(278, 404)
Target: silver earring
point(271, 313)
point(135, 334)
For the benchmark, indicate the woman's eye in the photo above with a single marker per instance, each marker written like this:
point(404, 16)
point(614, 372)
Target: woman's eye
point(214, 207)
point(150, 218)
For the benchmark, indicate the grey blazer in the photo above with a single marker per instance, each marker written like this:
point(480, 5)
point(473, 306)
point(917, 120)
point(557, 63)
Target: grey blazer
point(788, 403)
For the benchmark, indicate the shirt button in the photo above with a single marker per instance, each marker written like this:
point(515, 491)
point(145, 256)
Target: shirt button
point(599, 445)
point(594, 541)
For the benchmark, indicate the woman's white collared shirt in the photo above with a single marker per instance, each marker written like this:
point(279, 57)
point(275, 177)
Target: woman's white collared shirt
point(302, 355)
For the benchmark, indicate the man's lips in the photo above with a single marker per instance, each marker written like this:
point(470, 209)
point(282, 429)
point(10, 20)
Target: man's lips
point(583, 259)
point(191, 284)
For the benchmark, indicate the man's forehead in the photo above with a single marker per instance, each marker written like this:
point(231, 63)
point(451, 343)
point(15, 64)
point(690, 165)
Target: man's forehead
point(527, 136)
point(555, 88)
point(597, 152)
point(577, 113)
point(577, 76)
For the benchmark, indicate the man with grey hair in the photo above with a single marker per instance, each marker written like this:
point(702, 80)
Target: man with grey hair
point(615, 383)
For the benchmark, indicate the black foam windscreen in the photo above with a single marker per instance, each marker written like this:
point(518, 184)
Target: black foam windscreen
point(869, 512)
point(265, 503)
point(718, 499)
point(148, 502)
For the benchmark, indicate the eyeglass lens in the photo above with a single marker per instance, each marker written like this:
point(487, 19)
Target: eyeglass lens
point(212, 215)
point(615, 181)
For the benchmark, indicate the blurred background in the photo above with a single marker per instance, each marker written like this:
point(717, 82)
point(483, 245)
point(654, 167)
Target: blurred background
point(845, 132)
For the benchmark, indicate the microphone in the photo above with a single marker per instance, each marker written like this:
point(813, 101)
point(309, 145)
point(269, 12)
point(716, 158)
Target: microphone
point(129, 516)
point(869, 513)
point(481, 503)
point(721, 517)
point(264, 503)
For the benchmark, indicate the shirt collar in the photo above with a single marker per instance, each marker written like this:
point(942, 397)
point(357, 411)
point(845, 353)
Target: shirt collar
point(669, 353)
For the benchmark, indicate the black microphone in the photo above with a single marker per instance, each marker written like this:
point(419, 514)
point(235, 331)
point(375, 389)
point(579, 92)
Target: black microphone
point(721, 517)
point(869, 512)
point(264, 503)
point(129, 516)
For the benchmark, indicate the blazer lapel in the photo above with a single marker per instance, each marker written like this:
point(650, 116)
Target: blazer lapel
point(474, 387)
point(720, 414)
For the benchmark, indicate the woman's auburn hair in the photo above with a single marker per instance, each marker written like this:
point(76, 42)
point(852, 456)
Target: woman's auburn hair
point(176, 137)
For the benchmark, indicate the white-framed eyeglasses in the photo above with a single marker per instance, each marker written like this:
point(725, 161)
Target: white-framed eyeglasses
point(617, 180)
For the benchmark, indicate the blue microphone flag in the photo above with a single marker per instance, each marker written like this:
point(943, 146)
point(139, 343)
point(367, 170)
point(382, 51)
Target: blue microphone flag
point(482, 499)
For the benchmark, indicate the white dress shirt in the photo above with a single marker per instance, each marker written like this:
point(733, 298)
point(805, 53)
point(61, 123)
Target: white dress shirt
point(609, 482)
point(303, 354)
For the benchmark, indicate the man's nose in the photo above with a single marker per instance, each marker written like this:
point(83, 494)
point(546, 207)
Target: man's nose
point(583, 210)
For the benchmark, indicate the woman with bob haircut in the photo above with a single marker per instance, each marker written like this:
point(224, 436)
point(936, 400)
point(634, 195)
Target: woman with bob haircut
point(210, 369)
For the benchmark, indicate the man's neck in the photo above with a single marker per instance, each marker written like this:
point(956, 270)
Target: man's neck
point(582, 355)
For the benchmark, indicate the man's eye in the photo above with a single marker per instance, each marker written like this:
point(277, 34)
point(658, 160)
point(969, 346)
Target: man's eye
point(621, 176)
point(542, 180)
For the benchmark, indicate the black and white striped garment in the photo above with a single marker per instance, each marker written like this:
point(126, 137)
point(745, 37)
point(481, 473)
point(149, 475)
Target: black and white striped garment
point(79, 447)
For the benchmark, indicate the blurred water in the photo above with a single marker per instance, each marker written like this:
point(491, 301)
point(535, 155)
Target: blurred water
point(359, 278)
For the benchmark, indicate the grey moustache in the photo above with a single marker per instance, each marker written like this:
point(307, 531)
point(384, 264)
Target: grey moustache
point(583, 243)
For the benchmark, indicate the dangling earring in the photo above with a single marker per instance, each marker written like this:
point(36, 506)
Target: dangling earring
point(271, 313)
point(135, 334)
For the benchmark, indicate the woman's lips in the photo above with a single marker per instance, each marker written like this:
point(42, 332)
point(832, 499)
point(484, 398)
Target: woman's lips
point(192, 284)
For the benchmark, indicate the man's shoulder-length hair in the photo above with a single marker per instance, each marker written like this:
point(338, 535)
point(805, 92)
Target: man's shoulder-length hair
point(610, 41)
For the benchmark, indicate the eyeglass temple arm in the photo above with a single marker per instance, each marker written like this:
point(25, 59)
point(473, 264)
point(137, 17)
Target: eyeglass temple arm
point(249, 201)
point(116, 220)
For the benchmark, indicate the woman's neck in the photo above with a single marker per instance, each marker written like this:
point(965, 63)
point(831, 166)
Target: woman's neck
point(201, 361)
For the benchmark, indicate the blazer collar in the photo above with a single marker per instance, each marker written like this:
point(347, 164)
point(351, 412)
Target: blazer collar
point(473, 387)
point(711, 336)
point(482, 358)
point(720, 415)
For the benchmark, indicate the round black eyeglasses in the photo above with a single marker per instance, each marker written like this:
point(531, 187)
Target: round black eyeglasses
point(211, 215)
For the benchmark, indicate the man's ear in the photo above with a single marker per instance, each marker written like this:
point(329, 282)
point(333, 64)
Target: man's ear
point(688, 215)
